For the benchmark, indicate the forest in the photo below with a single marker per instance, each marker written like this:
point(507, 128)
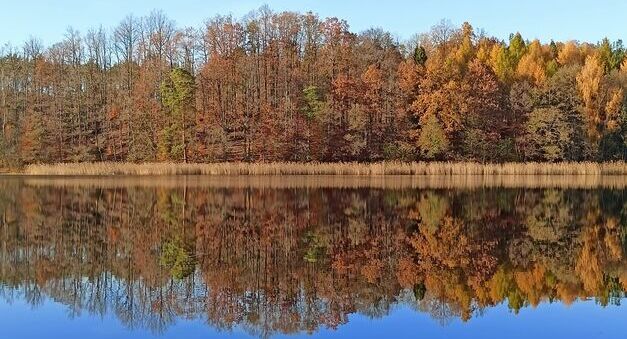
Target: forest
point(294, 87)
point(294, 260)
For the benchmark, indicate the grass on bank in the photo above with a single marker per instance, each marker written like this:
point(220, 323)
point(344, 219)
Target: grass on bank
point(397, 182)
point(359, 169)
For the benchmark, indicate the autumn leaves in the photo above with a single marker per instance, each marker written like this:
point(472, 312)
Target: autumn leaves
point(294, 87)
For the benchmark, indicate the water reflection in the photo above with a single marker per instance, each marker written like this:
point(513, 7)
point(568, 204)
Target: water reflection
point(299, 258)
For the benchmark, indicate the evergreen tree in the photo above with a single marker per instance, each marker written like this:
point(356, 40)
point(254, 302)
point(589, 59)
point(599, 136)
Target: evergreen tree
point(178, 96)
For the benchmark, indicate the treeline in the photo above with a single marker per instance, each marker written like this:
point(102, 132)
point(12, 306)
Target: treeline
point(297, 260)
point(295, 87)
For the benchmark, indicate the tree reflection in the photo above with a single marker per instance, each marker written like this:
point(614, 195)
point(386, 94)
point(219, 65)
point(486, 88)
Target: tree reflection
point(297, 260)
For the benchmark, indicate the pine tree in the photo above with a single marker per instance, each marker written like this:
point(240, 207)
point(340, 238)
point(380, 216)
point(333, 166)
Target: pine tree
point(178, 96)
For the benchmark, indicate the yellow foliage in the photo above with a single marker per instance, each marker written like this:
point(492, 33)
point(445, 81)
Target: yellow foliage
point(612, 240)
point(589, 266)
point(570, 54)
point(499, 284)
point(464, 53)
point(483, 53)
point(567, 292)
point(589, 85)
point(589, 79)
point(532, 283)
point(613, 109)
point(533, 64)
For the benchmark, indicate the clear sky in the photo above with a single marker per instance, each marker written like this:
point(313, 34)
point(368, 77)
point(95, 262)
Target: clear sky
point(582, 320)
point(584, 20)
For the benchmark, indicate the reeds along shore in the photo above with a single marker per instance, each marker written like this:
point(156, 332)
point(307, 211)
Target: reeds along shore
point(389, 182)
point(359, 169)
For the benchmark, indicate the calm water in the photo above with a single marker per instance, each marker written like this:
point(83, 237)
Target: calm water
point(326, 257)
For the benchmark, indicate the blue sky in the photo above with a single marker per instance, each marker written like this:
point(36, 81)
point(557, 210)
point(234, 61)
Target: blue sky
point(581, 320)
point(583, 20)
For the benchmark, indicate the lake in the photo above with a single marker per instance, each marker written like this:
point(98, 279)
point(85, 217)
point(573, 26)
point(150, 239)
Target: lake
point(333, 257)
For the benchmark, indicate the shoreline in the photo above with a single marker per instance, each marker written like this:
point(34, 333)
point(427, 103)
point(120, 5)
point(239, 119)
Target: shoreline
point(325, 169)
point(332, 181)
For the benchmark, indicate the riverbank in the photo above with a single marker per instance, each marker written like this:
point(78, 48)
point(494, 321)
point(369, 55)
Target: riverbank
point(388, 182)
point(358, 169)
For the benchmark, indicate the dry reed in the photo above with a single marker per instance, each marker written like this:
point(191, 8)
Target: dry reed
point(357, 169)
point(396, 182)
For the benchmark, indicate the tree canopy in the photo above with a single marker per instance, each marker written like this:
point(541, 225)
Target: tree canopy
point(296, 87)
